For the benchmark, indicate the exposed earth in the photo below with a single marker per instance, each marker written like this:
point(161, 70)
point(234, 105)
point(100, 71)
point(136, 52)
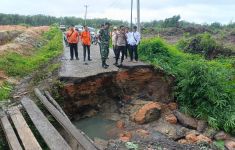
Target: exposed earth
point(19, 39)
point(137, 97)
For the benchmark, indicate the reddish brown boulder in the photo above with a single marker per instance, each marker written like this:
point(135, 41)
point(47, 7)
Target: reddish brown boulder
point(202, 138)
point(230, 145)
point(191, 138)
point(125, 137)
point(148, 113)
point(171, 119)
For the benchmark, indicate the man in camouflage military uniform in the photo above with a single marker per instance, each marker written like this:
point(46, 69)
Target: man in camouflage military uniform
point(104, 44)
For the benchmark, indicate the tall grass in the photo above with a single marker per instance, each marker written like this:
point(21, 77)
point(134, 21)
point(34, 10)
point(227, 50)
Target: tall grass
point(17, 65)
point(204, 89)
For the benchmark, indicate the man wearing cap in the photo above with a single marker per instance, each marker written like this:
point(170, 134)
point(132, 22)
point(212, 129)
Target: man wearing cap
point(104, 37)
point(72, 36)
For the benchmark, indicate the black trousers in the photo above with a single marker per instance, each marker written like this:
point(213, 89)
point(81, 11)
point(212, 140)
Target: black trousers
point(120, 49)
point(73, 50)
point(86, 48)
point(115, 50)
point(126, 50)
point(133, 52)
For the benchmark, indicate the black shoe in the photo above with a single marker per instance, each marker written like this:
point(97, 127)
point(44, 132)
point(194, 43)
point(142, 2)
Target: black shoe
point(77, 58)
point(106, 64)
point(115, 64)
point(120, 65)
point(71, 58)
point(89, 59)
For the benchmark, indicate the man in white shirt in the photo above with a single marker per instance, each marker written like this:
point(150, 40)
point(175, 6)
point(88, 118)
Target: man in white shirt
point(133, 39)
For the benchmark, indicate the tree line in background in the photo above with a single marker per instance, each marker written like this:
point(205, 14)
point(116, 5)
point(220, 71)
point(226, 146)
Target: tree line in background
point(40, 20)
point(176, 21)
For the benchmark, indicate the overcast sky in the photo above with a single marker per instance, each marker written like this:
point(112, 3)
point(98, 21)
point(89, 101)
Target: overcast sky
point(198, 11)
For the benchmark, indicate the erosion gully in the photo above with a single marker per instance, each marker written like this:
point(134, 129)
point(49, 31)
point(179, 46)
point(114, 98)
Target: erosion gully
point(104, 106)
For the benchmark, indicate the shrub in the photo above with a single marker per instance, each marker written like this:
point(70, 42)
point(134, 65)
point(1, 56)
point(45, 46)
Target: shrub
point(203, 44)
point(204, 89)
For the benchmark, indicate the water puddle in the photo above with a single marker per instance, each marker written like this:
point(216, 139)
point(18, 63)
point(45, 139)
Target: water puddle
point(97, 127)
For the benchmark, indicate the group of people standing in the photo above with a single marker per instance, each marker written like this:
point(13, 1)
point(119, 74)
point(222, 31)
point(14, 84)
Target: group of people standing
point(123, 41)
point(73, 36)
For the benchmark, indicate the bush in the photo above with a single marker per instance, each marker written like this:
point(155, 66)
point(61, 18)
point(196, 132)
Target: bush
point(203, 44)
point(204, 89)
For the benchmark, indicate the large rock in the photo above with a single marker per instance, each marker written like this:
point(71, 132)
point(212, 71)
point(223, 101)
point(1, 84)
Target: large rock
point(148, 113)
point(192, 138)
point(170, 130)
point(171, 119)
point(125, 137)
point(222, 136)
point(201, 126)
point(230, 145)
point(185, 120)
point(202, 138)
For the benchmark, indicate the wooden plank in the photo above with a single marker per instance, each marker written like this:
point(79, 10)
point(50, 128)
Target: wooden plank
point(53, 101)
point(83, 140)
point(50, 135)
point(11, 137)
point(23, 130)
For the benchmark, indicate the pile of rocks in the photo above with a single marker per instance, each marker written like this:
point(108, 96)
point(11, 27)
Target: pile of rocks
point(150, 117)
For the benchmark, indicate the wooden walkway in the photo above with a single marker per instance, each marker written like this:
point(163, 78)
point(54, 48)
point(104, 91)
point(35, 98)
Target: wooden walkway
point(19, 135)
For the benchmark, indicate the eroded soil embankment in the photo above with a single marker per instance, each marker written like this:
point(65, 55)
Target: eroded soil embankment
point(140, 100)
point(145, 82)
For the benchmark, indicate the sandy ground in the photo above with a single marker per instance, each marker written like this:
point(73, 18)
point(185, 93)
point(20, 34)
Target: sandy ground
point(24, 43)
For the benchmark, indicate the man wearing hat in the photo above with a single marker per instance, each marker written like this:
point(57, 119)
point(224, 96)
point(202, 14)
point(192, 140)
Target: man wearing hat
point(104, 37)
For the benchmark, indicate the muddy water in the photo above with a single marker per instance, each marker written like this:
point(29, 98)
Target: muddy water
point(97, 127)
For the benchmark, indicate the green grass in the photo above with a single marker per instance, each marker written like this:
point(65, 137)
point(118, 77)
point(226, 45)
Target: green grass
point(203, 88)
point(17, 65)
point(5, 91)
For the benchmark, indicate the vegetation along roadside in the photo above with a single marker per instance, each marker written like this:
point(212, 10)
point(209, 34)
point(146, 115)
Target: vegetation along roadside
point(203, 88)
point(18, 65)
